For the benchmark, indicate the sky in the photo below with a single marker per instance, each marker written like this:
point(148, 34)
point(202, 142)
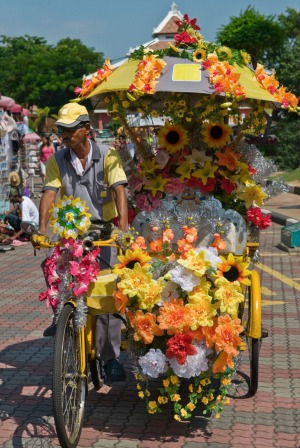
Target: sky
point(114, 26)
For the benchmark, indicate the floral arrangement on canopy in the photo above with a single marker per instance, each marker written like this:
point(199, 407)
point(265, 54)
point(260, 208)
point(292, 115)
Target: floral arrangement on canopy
point(182, 315)
point(70, 270)
point(200, 145)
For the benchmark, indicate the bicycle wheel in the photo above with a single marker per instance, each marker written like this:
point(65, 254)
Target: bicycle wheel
point(253, 328)
point(69, 385)
point(96, 373)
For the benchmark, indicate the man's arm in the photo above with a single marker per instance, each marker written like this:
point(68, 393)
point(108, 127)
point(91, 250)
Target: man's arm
point(46, 202)
point(121, 203)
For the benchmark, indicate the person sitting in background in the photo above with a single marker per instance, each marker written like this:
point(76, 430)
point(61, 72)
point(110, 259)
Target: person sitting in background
point(46, 150)
point(23, 209)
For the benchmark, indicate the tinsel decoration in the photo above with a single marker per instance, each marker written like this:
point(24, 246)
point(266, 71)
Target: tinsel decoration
point(275, 188)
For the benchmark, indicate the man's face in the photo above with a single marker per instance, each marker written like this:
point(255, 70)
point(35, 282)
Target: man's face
point(74, 137)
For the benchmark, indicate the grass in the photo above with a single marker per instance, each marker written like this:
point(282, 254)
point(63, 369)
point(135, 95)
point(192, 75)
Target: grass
point(287, 176)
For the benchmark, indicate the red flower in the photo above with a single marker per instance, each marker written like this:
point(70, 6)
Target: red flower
point(184, 38)
point(187, 21)
point(179, 346)
point(255, 215)
point(227, 186)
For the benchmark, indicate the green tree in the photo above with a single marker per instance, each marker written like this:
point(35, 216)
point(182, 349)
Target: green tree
point(33, 72)
point(253, 32)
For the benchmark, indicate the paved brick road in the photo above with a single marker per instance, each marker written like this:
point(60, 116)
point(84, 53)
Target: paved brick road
point(118, 418)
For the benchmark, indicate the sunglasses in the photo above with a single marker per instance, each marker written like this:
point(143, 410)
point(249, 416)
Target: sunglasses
point(61, 129)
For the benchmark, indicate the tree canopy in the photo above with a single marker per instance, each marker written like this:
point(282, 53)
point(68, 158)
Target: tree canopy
point(34, 72)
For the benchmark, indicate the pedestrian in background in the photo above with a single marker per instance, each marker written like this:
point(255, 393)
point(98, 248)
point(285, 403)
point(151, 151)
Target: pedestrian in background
point(46, 150)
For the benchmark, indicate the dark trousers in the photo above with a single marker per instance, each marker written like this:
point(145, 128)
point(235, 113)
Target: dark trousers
point(14, 221)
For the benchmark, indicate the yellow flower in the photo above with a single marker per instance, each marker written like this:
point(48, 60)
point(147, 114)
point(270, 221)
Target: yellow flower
point(166, 383)
point(190, 406)
point(195, 262)
point(229, 296)
point(246, 57)
point(135, 280)
point(204, 400)
point(199, 390)
point(131, 257)
point(148, 167)
point(183, 412)
point(175, 49)
point(172, 137)
point(234, 269)
point(253, 195)
point(162, 400)
point(203, 312)
point(175, 397)
point(208, 171)
point(141, 394)
point(226, 50)
point(156, 184)
point(191, 388)
point(217, 415)
point(152, 405)
point(138, 386)
point(216, 135)
point(176, 417)
point(226, 381)
point(185, 169)
point(174, 379)
point(199, 55)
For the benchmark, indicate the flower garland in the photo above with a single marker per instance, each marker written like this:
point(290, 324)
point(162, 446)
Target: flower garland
point(69, 270)
point(182, 319)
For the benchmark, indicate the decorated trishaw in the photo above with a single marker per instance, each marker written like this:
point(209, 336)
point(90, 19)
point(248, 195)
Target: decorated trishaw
point(185, 281)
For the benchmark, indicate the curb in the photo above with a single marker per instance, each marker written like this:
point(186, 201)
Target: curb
point(280, 219)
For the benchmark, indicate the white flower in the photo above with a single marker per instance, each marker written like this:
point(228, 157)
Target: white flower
point(198, 157)
point(183, 277)
point(211, 255)
point(169, 292)
point(162, 158)
point(153, 363)
point(194, 365)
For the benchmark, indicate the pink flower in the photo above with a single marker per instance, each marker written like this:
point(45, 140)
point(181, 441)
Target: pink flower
point(174, 186)
point(135, 183)
point(147, 202)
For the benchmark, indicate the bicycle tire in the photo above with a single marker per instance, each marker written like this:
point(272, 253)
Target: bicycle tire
point(69, 387)
point(254, 348)
point(96, 373)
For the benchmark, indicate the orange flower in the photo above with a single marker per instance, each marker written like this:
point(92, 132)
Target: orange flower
point(228, 158)
point(191, 234)
point(183, 246)
point(144, 325)
point(174, 317)
point(156, 245)
point(139, 243)
point(120, 301)
point(221, 362)
point(227, 335)
point(168, 235)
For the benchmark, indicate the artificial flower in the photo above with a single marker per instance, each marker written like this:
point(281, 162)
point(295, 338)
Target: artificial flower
point(216, 135)
point(131, 257)
point(234, 269)
point(153, 363)
point(194, 365)
point(207, 172)
point(144, 326)
point(253, 194)
point(172, 137)
point(229, 294)
point(255, 215)
point(174, 317)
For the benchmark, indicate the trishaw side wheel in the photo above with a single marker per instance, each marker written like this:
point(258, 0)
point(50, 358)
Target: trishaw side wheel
point(253, 328)
point(69, 385)
point(96, 373)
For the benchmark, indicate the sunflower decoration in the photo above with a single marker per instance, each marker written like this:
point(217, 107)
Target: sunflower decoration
point(69, 217)
point(216, 135)
point(172, 137)
point(199, 55)
point(130, 258)
point(234, 269)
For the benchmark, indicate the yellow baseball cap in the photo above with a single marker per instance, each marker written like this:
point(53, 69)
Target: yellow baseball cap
point(72, 114)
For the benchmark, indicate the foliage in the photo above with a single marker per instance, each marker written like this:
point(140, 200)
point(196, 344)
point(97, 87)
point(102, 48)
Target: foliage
point(287, 132)
point(41, 74)
point(253, 32)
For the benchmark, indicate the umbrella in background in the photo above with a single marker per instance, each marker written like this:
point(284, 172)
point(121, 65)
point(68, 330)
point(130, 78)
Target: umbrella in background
point(31, 137)
point(6, 101)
